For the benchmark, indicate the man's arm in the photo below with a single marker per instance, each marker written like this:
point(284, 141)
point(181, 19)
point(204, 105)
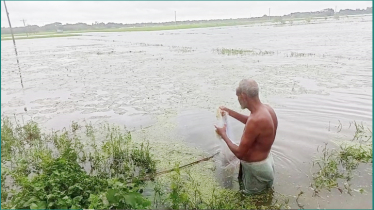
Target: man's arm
point(248, 138)
point(240, 117)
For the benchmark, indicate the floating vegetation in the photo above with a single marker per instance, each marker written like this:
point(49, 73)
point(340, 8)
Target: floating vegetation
point(226, 51)
point(337, 165)
point(147, 45)
point(109, 52)
point(182, 49)
point(134, 51)
point(183, 192)
point(296, 54)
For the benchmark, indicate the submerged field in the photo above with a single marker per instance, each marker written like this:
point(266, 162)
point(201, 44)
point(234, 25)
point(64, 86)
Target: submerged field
point(165, 86)
point(108, 167)
point(178, 26)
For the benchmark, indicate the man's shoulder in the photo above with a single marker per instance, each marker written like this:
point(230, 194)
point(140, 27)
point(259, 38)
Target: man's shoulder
point(254, 121)
point(260, 119)
point(269, 107)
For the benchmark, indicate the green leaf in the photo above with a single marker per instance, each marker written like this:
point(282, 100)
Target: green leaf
point(75, 207)
point(51, 204)
point(77, 199)
point(32, 199)
point(41, 205)
point(38, 188)
point(132, 198)
point(50, 196)
point(93, 198)
point(111, 196)
point(33, 206)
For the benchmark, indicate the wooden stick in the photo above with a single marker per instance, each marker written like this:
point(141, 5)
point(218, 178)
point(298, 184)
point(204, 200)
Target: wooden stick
point(173, 169)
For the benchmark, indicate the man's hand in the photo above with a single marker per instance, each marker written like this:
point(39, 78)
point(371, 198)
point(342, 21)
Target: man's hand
point(223, 108)
point(221, 131)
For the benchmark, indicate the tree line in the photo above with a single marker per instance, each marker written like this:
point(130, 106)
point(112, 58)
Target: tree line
point(59, 27)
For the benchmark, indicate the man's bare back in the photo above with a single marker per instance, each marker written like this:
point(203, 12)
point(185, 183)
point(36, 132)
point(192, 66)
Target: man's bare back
point(260, 127)
point(264, 124)
point(257, 139)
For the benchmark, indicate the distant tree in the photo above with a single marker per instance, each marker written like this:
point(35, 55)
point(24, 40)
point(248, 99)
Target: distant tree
point(307, 16)
point(33, 29)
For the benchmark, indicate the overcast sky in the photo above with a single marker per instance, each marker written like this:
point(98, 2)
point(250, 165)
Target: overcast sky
point(44, 12)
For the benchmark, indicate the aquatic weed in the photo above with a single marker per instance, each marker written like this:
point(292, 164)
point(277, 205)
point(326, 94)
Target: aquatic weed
point(339, 164)
point(296, 54)
point(184, 192)
point(230, 52)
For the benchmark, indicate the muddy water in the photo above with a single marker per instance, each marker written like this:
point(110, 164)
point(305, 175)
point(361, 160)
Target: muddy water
point(317, 76)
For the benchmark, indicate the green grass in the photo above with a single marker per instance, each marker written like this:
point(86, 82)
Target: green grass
point(38, 36)
point(30, 34)
point(98, 167)
point(128, 29)
point(164, 27)
point(58, 164)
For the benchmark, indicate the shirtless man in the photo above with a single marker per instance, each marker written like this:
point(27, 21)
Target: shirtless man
point(256, 162)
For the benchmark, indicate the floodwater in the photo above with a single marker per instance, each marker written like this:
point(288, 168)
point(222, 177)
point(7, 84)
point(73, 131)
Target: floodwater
point(134, 78)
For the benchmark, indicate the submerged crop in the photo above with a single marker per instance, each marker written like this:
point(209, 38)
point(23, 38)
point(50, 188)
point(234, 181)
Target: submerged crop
point(336, 167)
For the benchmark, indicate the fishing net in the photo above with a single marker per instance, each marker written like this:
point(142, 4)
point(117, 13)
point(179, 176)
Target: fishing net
point(227, 162)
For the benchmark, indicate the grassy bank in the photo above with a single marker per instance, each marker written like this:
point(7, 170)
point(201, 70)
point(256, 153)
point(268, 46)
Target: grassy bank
point(146, 28)
point(168, 27)
point(38, 36)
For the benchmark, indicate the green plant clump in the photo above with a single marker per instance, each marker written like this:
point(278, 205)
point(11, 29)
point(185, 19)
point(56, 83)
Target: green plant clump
point(85, 167)
point(62, 171)
point(340, 164)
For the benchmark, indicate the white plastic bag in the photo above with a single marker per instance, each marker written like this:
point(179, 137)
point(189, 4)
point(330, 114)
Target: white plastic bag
point(227, 162)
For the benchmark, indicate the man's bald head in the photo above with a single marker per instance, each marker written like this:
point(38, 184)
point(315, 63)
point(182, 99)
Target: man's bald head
point(249, 87)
